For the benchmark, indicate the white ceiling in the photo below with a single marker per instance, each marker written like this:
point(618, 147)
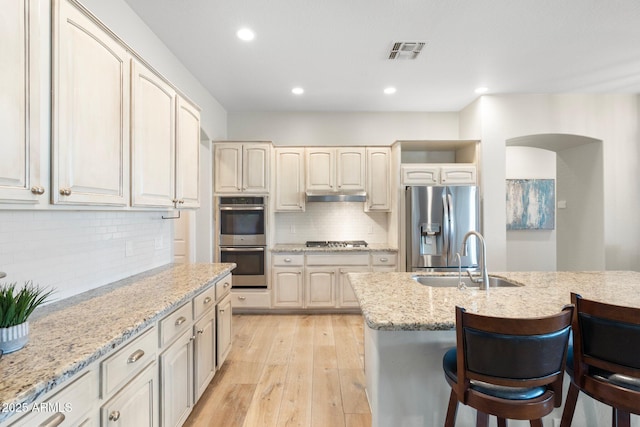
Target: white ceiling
point(337, 50)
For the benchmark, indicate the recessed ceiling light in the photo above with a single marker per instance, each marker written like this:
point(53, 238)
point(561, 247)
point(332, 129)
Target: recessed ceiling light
point(390, 90)
point(297, 91)
point(245, 34)
point(481, 90)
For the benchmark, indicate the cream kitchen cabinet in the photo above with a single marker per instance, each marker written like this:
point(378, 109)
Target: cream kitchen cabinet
point(165, 143)
point(438, 174)
point(335, 169)
point(204, 352)
point(242, 167)
point(384, 261)
point(346, 296)
point(20, 173)
point(223, 319)
point(289, 187)
point(90, 110)
point(287, 280)
point(325, 282)
point(136, 405)
point(176, 376)
point(320, 287)
point(153, 139)
point(378, 179)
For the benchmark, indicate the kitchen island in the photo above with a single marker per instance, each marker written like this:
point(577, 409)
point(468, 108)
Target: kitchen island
point(409, 326)
point(70, 336)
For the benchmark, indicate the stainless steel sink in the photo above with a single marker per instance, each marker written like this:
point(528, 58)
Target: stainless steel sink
point(452, 282)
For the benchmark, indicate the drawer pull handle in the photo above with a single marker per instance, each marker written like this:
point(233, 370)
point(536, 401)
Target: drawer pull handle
point(207, 300)
point(287, 260)
point(384, 259)
point(54, 420)
point(226, 285)
point(221, 311)
point(114, 416)
point(135, 356)
point(242, 298)
point(180, 320)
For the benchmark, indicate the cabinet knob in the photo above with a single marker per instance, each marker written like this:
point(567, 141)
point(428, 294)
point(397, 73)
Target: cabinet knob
point(174, 201)
point(242, 298)
point(37, 190)
point(180, 201)
point(226, 285)
point(135, 356)
point(221, 310)
point(200, 331)
point(384, 259)
point(207, 300)
point(114, 416)
point(287, 260)
point(180, 320)
point(54, 421)
point(65, 191)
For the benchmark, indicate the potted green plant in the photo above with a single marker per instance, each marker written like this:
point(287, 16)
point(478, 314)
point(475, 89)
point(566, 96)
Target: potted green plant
point(16, 305)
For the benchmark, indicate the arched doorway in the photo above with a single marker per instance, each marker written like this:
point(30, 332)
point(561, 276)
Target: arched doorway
point(578, 239)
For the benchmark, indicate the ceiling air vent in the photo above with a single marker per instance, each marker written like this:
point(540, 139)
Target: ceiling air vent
point(406, 50)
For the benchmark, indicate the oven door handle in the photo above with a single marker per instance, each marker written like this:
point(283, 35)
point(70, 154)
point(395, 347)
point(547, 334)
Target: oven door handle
point(241, 208)
point(241, 249)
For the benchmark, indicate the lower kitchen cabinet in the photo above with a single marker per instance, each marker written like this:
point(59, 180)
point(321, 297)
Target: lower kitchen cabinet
point(136, 405)
point(320, 287)
point(223, 319)
point(346, 297)
point(176, 376)
point(287, 286)
point(204, 363)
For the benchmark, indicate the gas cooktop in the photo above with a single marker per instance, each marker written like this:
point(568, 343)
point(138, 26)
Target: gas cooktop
point(336, 244)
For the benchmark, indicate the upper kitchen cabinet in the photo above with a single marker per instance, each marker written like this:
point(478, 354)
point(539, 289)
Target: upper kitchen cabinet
point(153, 110)
point(19, 110)
point(439, 162)
point(378, 179)
point(335, 169)
point(289, 188)
point(187, 155)
point(90, 110)
point(242, 167)
point(435, 174)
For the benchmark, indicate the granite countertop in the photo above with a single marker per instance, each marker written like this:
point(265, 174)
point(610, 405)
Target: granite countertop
point(68, 335)
point(300, 247)
point(396, 302)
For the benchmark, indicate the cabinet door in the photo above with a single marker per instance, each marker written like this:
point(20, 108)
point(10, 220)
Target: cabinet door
point(347, 297)
point(378, 179)
point(136, 405)
point(223, 320)
point(187, 155)
point(228, 168)
point(320, 287)
point(90, 112)
point(152, 139)
point(287, 286)
point(176, 375)
point(320, 169)
point(255, 168)
point(204, 352)
point(350, 168)
point(20, 106)
point(420, 174)
point(458, 174)
point(290, 179)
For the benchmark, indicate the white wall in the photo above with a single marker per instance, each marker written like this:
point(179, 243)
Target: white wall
point(343, 128)
point(613, 119)
point(530, 250)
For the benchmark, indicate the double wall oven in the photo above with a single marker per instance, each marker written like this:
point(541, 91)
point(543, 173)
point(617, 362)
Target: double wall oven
point(241, 239)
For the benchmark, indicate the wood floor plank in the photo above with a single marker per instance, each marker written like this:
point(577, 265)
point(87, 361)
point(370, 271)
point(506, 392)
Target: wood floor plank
point(352, 386)
point(358, 420)
point(347, 354)
point(228, 407)
point(326, 406)
point(323, 330)
point(265, 406)
point(295, 410)
point(324, 356)
point(281, 347)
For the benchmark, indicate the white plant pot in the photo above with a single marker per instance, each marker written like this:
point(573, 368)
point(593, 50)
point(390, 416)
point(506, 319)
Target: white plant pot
point(14, 337)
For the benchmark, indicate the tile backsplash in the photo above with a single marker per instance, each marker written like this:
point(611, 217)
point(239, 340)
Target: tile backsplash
point(331, 221)
point(78, 251)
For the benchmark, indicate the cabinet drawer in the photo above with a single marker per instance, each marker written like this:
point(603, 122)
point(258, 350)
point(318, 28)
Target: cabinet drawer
point(285, 260)
point(250, 300)
point(384, 258)
point(345, 258)
point(118, 369)
point(223, 287)
point(69, 406)
point(175, 323)
point(203, 302)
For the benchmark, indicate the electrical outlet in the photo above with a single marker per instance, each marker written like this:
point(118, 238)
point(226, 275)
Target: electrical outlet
point(158, 242)
point(128, 248)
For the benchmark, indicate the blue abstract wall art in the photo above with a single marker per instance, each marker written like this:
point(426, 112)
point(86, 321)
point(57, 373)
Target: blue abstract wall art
point(531, 204)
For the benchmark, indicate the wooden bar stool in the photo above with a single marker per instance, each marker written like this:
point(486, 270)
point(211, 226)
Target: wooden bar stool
point(510, 368)
point(606, 359)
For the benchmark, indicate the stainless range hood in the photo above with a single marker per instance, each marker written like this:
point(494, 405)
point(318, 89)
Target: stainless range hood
point(342, 196)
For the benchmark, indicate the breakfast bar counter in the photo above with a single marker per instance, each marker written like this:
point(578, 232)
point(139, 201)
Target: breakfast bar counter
point(409, 326)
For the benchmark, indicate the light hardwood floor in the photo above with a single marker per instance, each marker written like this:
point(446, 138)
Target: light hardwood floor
point(289, 370)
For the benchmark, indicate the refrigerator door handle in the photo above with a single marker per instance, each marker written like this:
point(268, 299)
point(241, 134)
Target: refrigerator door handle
point(446, 229)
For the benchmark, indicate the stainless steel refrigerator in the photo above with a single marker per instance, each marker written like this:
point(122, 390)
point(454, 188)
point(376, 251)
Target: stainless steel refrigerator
point(437, 220)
